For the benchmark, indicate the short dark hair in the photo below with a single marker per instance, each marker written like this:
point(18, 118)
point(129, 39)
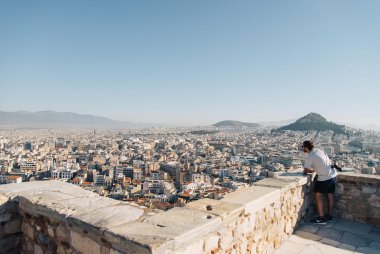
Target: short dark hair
point(308, 144)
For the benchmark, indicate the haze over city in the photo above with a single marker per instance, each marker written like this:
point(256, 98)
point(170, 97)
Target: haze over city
point(192, 63)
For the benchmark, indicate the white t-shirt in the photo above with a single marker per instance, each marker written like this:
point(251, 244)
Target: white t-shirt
point(321, 163)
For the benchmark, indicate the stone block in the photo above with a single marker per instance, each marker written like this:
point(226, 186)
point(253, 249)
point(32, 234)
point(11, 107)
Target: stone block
point(346, 247)
point(374, 201)
point(28, 230)
point(29, 245)
point(191, 248)
point(13, 226)
point(38, 249)
point(353, 227)
point(4, 203)
point(84, 244)
point(288, 227)
point(211, 243)
point(62, 233)
point(216, 207)
point(248, 225)
point(369, 189)
point(283, 184)
point(330, 233)
point(139, 236)
point(367, 250)
point(36, 188)
point(353, 178)
point(373, 221)
point(375, 245)
point(257, 236)
point(50, 230)
point(307, 235)
point(98, 211)
point(261, 247)
point(253, 198)
point(60, 250)
point(329, 242)
point(242, 246)
point(104, 250)
point(110, 216)
point(339, 189)
point(355, 240)
point(374, 234)
point(35, 208)
point(226, 240)
point(260, 222)
point(178, 224)
point(9, 242)
point(5, 217)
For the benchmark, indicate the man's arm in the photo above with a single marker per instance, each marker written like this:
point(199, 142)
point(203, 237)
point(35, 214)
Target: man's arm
point(307, 167)
point(308, 170)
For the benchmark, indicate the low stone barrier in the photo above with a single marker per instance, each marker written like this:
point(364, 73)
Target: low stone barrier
point(358, 198)
point(10, 226)
point(56, 217)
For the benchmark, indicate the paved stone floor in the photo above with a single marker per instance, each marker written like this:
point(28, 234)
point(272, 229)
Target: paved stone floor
point(341, 236)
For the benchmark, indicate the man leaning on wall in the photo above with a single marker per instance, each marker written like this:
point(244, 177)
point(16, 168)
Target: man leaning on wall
point(317, 161)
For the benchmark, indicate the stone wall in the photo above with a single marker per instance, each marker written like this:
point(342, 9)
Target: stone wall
point(10, 226)
point(55, 217)
point(358, 198)
point(267, 215)
point(43, 235)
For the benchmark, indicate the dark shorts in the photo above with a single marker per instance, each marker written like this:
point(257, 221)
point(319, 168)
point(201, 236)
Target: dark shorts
point(325, 186)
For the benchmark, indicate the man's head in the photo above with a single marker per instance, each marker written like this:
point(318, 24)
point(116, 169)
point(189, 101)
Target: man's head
point(307, 146)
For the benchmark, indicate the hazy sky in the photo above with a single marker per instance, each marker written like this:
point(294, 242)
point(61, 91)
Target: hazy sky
point(192, 62)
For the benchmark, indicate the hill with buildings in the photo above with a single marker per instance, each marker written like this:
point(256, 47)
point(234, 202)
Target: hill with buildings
point(313, 121)
point(52, 119)
point(231, 123)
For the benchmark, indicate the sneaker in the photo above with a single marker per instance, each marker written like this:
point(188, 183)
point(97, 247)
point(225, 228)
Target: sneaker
point(329, 218)
point(319, 220)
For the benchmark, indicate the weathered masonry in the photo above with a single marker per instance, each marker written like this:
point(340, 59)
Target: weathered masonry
point(56, 217)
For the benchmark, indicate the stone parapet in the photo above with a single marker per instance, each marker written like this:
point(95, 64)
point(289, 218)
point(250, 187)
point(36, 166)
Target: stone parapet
point(55, 217)
point(358, 198)
point(10, 226)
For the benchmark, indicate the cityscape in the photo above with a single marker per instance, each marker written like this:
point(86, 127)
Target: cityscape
point(162, 168)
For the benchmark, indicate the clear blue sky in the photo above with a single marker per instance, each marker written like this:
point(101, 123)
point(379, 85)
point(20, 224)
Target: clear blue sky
point(192, 62)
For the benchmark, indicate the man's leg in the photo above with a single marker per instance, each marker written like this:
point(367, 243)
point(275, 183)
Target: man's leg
point(330, 197)
point(318, 199)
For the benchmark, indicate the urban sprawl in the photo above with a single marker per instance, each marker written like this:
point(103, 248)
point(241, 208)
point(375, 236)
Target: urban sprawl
point(163, 168)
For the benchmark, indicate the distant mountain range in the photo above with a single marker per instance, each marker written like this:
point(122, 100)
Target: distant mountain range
point(52, 119)
point(231, 123)
point(314, 121)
